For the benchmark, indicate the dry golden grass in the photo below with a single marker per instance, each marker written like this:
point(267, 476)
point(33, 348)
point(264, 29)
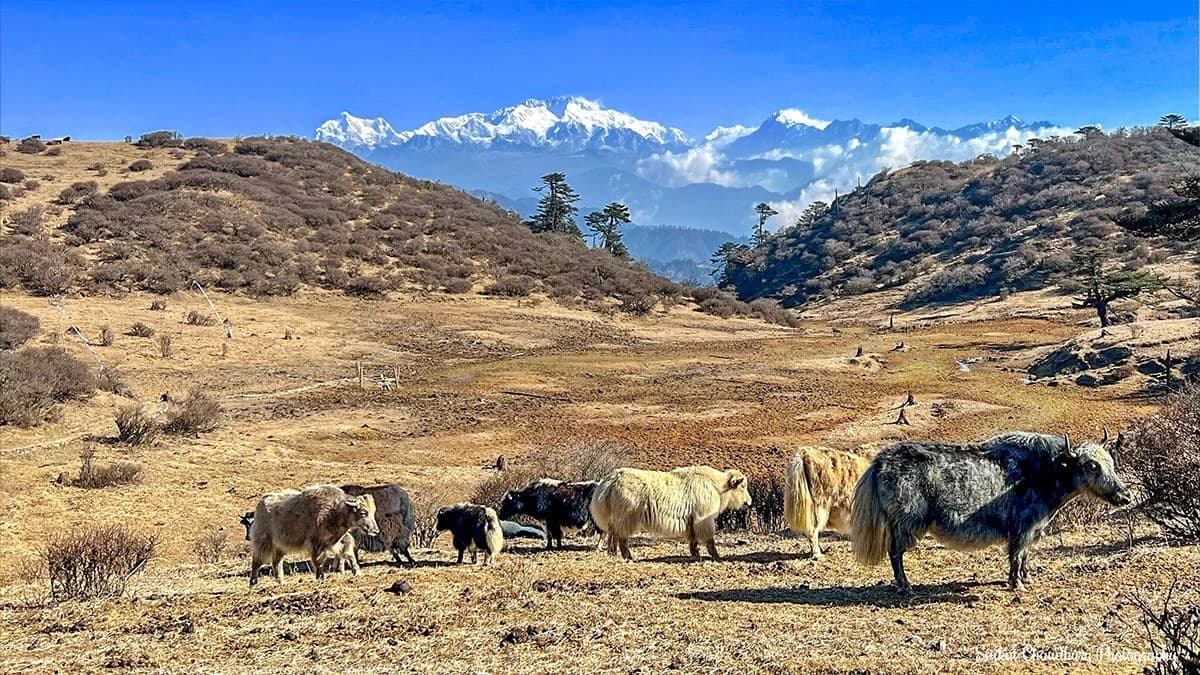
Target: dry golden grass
point(679, 389)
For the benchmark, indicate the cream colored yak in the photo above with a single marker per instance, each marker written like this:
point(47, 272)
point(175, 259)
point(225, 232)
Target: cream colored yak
point(308, 522)
point(679, 504)
point(818, 492)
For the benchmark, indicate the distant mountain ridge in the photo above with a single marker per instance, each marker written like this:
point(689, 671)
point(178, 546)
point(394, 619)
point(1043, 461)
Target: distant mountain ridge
point(666, 177)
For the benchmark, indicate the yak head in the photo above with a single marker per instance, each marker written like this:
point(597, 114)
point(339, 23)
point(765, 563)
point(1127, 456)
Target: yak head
point(1092, 469)
point(511, 505)
point(362, 515)
point(736, 493)
point(247, 521)
point(447, 517)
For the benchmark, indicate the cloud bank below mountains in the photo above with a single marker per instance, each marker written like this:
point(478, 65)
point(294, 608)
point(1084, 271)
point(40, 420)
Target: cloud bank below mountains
point(836, 168)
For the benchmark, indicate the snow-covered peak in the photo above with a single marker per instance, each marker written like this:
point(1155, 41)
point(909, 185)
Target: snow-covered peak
point(795, 117)
point(569, 123)
point(350, 131)
point(725, 135)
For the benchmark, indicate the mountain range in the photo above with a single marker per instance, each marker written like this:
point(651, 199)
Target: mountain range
point(666, 177)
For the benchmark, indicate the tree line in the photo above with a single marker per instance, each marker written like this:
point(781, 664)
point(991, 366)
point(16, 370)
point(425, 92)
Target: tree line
point(556, 214)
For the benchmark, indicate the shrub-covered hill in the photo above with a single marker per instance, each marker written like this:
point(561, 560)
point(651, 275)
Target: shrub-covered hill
point(266, 216)
point(946, 231)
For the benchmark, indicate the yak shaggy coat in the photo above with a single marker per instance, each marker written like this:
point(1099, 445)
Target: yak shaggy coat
point(473, 527)
point(556, 504)
point(818, 492)
point(969, 496)
point(679, 504)
point(393, 514)
point(305, 522)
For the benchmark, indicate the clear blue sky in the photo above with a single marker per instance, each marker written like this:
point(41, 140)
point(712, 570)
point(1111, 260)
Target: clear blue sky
point(105, 69)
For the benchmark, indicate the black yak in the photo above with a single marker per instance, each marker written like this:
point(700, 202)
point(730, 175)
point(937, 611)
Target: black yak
point(556, 504)
point(973, 495)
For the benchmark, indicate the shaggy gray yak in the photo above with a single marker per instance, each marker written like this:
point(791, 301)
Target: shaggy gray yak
point(969, 496)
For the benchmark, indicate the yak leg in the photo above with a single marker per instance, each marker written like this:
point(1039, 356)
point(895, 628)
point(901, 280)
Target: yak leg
point(712, 549)
point(1018, 558)
point(460, 555)
point(694, 548)
point(314, 554)
point(814, 535)
point(896, 555)
point(255, 562)
point(553, 533)
point(624, 545)
point(277, 565)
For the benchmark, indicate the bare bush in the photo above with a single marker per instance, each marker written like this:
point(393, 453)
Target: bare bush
point(493, 488)
point(1163, 455)
point(211, 546)
point(140, 329)
point(11, 175)
point(54, 151)
point(515, 285)
point(34, 380)
point(135, 426)
point(425, 505)
point(93, 474)
point(141, 165)
point(16, 327)
point(587, 460)
point(637, 304)
point(194, 318)
point(112, 380)
point(96, 561)
point(31, 146)
point(1172, 631)
point(158, 305)
point(106, 336)
point(165, 345)
point(77, 191)
point(31, 185)
point(198, 413)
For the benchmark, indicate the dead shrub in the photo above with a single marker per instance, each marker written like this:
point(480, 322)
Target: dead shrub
point(513, 285)
point(158, 305)
point(112, 380)
point(493, 488)
point(1172, 631)
point(96, 561)
point(198, 413)
point(211, 546)
point(425, 505)
point(31, 185)
point(165, 345)
point(11, 175)
point(140, 329)
point(31, 146)
point(135, 426)
point(1162, 453)
point(54, 151)
point(34, 380)
point(141, 165)
point(194, 318)
point(77, 191)
point(637, 304)
point(587, 460)
point(16, 327)
point(106, 336)
point(93, 474)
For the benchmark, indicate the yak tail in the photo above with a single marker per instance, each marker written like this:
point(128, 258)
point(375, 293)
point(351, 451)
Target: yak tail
point(494, 533)
point(797, 497)
point(869, 534)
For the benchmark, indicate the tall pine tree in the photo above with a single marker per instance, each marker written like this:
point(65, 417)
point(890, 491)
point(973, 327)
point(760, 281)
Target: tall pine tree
point(764, 211)
point(556, 209)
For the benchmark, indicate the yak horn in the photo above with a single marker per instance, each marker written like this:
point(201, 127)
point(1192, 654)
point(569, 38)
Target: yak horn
point(1067, 441)
point(1105, 439)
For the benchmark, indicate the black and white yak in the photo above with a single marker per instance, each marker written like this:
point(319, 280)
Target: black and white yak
point(557, 505)
point(969, 496)
point(474, 528)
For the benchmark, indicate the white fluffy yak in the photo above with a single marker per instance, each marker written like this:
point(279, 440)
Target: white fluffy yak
point(679, 504)
point(818, 492)
point(307, 522)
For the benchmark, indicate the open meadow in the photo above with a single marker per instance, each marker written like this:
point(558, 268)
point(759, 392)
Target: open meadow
point(480, 378)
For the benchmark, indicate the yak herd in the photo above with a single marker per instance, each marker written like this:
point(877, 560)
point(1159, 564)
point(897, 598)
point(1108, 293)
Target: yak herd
point(1003, 490)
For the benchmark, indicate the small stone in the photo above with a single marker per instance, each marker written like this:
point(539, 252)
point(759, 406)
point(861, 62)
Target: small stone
point(289, 635)
point(400, 588)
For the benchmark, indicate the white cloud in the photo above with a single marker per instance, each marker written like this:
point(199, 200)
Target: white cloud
point(797, 116)
point(697, 165)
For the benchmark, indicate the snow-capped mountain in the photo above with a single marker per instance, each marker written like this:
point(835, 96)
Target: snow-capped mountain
point(789, 159)
point(569, 124)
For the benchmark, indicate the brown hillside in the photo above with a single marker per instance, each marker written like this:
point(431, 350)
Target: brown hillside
point(266, 216)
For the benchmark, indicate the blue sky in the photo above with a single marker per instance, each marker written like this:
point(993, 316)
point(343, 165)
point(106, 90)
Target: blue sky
point(100, 70)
